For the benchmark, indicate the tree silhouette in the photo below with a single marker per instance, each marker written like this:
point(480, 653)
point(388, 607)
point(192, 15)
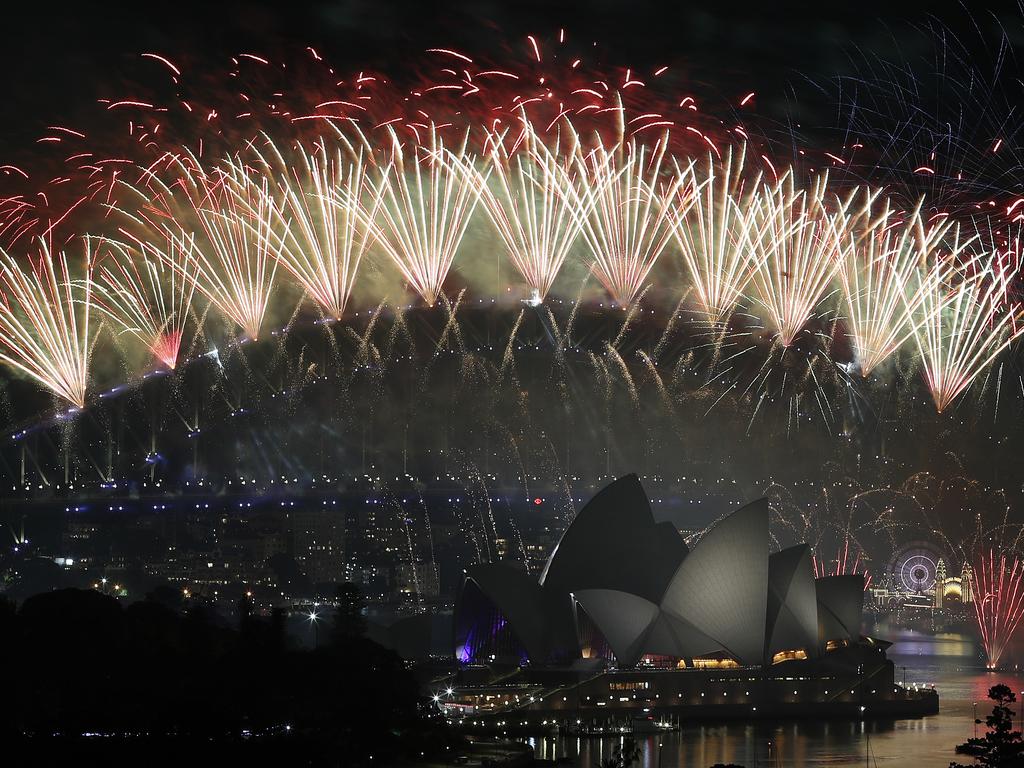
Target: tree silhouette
point(86, 663)
point(1001, 746)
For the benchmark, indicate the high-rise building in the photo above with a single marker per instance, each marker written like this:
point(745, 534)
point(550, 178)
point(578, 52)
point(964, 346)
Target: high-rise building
point(967, 579)
point(318, 543)
point(940, 582)
point(416, 580)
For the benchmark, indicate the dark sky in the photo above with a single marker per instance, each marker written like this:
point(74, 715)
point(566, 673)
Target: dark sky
point(56, 60)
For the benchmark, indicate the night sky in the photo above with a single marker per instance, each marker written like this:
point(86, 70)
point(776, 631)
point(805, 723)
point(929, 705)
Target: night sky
point(54, 64)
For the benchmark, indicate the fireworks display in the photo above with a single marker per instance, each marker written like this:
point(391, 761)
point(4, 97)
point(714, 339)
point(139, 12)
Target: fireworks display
point(964, 322)
point(708, 235)
point(222, 230)
point(45, 321)
point(628, 225)
point(235, 262)
point(998, 601)
point(633, 219)
point(323, 223)
point(359, 295)
point(569, 176)
point(533, 204)
point(878, 268)
point(794, 244)
point(426, 201)
point(148, 293)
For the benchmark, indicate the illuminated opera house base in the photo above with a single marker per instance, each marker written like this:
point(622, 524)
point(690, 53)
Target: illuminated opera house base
point(626, 625)
point(607, 699)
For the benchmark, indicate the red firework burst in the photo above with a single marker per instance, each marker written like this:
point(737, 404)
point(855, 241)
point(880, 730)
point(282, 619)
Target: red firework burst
point(998, 602)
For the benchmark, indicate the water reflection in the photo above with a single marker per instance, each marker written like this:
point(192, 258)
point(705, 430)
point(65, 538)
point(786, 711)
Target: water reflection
point(911, 643)
point(949, 662)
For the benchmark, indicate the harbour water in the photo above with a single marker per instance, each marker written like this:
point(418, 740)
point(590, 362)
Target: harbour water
point(949, 662)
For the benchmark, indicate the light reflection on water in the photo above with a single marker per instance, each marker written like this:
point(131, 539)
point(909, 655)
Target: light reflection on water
point(910, 643)
point(950, 662)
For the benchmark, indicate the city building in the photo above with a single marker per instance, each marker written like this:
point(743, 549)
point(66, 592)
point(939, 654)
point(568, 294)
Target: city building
point(318, 539)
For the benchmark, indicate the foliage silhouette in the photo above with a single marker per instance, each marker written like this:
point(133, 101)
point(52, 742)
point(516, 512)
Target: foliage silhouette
point(81, 663)
point(1001, 746)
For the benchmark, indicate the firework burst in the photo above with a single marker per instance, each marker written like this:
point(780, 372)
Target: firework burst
point(965, 319)
point(45, 321)
point(794, 245)
point(710, 233)
point(235, 263)
point(534, 205)
point(148, 292)
point(878, 263)
point(427, 200)
point(630, 222)
point(998, 602)
point(322, 218)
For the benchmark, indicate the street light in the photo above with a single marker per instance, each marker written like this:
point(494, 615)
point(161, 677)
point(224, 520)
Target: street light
point(314, 622)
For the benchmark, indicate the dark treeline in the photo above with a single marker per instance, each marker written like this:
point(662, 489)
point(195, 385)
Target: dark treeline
point(88, 677)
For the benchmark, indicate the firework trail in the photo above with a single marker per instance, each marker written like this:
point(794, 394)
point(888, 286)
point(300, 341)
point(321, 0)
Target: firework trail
point(794, 244)
point(45, 321)
point(629, 223)
point(710, 233)
point(235, 261)
point(965, 320)
point(879, 261)
point(941, 121)
point(998, 602)
point(843, 565)
point(148, 292)
point(322, 218)
point(426, 203)
point(535, 206)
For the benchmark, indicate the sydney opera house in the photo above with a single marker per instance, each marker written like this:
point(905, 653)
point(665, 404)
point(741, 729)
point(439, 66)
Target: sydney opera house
point(626, 619)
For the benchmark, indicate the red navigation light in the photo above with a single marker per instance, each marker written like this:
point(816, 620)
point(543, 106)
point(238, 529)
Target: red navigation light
point(538, 501)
